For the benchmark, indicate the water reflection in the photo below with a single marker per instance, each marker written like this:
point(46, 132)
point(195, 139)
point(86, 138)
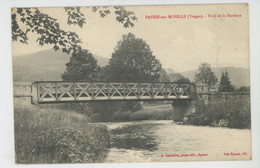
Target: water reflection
point(135, 137)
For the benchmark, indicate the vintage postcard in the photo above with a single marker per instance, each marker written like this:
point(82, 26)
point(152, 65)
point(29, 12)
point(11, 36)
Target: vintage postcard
point(127, 84)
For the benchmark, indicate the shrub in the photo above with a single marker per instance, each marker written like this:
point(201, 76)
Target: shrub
point(239, 114)
point(233, 112)
point(48, 135)
point(236, 112)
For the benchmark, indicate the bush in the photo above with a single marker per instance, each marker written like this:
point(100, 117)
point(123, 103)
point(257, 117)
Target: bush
point(48, 135)
point(232, 112)
point(239, 114)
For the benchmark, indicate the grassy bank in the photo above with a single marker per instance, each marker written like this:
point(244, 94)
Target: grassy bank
point(49, 135)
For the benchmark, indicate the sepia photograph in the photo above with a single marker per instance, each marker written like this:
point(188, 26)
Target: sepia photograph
point(131, 84)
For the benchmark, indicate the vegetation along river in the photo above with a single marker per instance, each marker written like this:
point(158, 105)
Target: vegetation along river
point(163, 140)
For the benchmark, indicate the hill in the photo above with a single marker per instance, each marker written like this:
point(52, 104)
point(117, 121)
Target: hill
point(45, 65)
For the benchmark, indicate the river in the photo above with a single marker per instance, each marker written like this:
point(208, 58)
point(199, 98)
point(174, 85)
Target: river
point(163, 140)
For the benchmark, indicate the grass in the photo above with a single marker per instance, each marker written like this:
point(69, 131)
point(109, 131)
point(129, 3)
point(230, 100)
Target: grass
point(49, 135)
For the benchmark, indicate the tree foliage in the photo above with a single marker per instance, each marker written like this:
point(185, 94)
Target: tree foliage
point(46, 27)
point(164, 77)
point(82, 67)
point(75, 16)
point(183, 80)
point(206, 75)
point(25, 20)
point(123, 16)
point(133, 61)
point(225, 84)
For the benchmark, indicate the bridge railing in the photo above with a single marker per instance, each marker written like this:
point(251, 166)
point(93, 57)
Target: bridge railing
point(47, 92)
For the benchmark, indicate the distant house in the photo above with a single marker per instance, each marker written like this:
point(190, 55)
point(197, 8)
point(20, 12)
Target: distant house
point(204, 88)
point(213, 88)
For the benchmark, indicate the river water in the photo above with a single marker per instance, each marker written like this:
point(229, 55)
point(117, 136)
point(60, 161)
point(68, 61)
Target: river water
point(147, 141)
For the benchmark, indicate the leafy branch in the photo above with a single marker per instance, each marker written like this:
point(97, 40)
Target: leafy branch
point(49, 30)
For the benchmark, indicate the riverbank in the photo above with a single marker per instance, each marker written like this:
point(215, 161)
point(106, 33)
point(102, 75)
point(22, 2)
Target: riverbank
point(50, 135)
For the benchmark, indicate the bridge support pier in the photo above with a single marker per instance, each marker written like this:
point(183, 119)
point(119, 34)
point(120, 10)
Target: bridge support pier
point(180, 108)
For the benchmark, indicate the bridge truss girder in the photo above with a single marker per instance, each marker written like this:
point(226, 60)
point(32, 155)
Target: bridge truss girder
point(54, 92)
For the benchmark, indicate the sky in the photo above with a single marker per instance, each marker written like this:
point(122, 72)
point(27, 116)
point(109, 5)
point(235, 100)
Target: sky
point(179, 43)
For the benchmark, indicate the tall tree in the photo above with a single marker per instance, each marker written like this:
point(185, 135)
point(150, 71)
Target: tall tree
point(133, 61)
point(206, 75)
point(225, 84)
point(81, 67)
point(25, 20)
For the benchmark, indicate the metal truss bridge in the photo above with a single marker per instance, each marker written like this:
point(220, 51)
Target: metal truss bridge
point(54, 92)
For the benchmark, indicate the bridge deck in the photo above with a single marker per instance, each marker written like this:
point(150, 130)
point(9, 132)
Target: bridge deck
point(46, 92)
